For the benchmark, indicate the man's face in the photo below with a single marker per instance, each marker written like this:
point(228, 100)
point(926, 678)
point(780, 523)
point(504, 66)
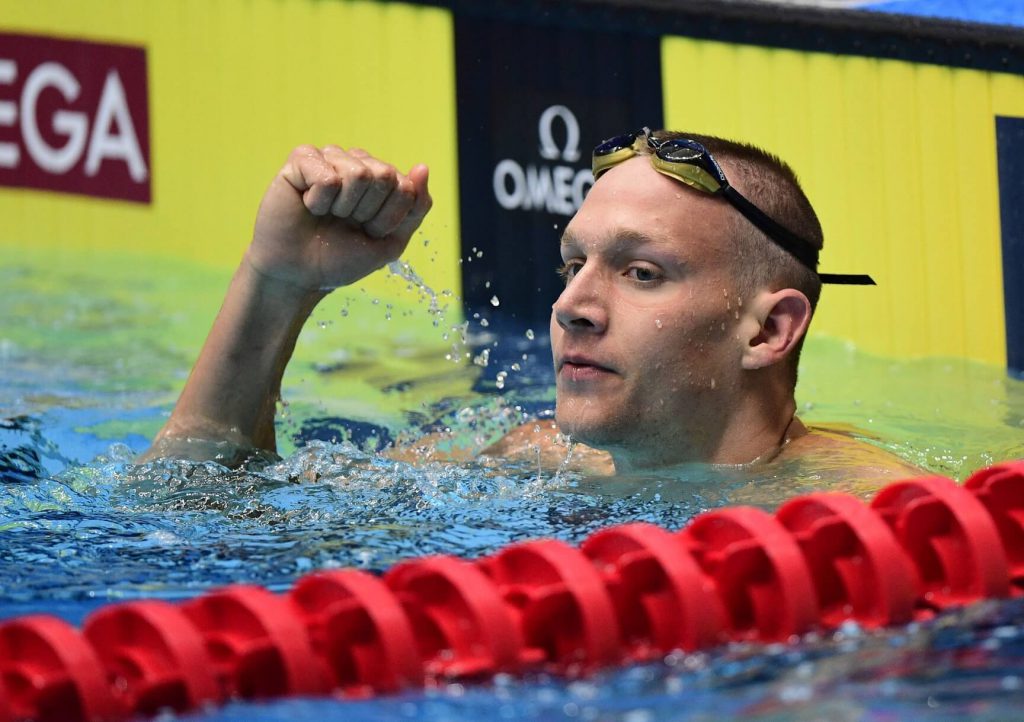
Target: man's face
point(644, 334)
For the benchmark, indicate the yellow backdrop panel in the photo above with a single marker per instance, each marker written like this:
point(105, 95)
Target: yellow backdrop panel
point(233, 85)
point(899, 159)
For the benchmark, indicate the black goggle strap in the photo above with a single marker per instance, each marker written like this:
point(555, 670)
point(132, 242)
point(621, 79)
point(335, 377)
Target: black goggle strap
point(847, 279)
point(790, 242)
point(782, 236)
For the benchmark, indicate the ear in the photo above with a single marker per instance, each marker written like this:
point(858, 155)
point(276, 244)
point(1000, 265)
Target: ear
point(776, 323)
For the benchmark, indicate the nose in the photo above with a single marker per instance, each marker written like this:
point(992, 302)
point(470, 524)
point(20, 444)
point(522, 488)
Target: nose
point(581, 306)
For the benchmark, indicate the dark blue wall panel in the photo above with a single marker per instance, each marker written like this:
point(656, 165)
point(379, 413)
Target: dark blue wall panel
point(534, 98)
point(1010, 137)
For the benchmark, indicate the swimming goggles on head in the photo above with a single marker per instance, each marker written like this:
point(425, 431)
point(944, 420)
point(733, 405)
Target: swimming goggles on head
point(690, 162)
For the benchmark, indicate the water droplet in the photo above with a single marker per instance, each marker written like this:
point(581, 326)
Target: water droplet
point(484, 322)
point(495, 302)
point(657, 322)
point(713, 383)
point(487, 284)
point(529, 333)
point(517, 367)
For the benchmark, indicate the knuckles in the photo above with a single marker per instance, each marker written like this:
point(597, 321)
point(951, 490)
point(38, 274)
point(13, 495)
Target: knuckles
point(359, 173)
point(385, 175)
point(361, 167)
point(333, 168)
point(303, 151)
point(330, 179)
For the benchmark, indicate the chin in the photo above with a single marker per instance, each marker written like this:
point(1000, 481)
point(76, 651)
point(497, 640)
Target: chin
point(595, 431)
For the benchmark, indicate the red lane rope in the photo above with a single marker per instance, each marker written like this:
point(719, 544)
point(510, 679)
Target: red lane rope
point(629, 593)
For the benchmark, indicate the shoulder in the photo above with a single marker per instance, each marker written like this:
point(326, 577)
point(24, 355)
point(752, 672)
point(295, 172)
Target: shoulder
point(822, 458)
point(845, 453)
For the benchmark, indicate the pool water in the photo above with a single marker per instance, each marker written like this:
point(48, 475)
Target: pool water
point(92, 359)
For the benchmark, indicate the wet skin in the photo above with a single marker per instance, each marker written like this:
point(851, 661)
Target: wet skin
point(659, 361)
point(646, 335)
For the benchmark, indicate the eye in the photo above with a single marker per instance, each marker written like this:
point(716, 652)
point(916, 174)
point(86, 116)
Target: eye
point(643, 274)
point(568, 270)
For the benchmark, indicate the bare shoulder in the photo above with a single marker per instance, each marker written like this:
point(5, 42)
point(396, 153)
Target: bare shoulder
point(838, 449)
point(540, 441)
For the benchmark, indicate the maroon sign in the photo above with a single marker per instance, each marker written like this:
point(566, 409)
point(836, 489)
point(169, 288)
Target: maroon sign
point(74, 117)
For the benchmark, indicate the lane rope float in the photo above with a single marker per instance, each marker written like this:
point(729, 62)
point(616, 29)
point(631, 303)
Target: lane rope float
point(630, 593)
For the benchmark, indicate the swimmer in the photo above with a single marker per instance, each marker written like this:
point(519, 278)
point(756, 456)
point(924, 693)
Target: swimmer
point(676, 339)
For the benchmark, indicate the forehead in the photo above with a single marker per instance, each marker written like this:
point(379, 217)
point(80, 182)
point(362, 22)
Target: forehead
point(632, 199)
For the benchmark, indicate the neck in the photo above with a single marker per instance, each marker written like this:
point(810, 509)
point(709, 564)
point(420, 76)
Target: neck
point(750, 429)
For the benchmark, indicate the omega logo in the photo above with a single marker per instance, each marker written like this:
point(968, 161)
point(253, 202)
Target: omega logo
point(556, 189)
point(102, 143)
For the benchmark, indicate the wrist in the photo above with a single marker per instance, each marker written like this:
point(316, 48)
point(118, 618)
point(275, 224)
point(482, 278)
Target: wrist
point(281, 289)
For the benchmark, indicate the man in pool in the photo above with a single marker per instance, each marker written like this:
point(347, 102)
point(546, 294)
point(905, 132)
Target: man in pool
point(676, 339)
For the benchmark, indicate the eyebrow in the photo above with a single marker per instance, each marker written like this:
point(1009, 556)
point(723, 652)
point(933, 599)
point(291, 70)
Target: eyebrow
point(623, 238)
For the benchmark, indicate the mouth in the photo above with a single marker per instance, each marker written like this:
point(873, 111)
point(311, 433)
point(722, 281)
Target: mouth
point(582, 368)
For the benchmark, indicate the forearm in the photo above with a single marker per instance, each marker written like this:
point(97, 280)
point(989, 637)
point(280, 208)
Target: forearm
point(328, 219)
point(231, 394)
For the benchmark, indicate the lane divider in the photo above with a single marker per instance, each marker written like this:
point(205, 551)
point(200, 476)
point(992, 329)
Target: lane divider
point(629, 593)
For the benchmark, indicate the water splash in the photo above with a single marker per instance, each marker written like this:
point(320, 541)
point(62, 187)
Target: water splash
point(403, 270)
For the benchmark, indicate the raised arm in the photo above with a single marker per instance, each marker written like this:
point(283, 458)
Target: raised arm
point(329, 218)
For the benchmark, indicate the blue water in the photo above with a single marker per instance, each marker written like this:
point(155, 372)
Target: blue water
point(86, 377)
point(83, 526)
point(966, 666)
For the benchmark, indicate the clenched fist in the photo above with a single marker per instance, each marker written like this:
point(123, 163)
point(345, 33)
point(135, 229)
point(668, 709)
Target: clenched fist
point(332, 216)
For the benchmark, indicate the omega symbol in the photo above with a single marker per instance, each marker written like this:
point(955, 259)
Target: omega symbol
point(548, 148)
